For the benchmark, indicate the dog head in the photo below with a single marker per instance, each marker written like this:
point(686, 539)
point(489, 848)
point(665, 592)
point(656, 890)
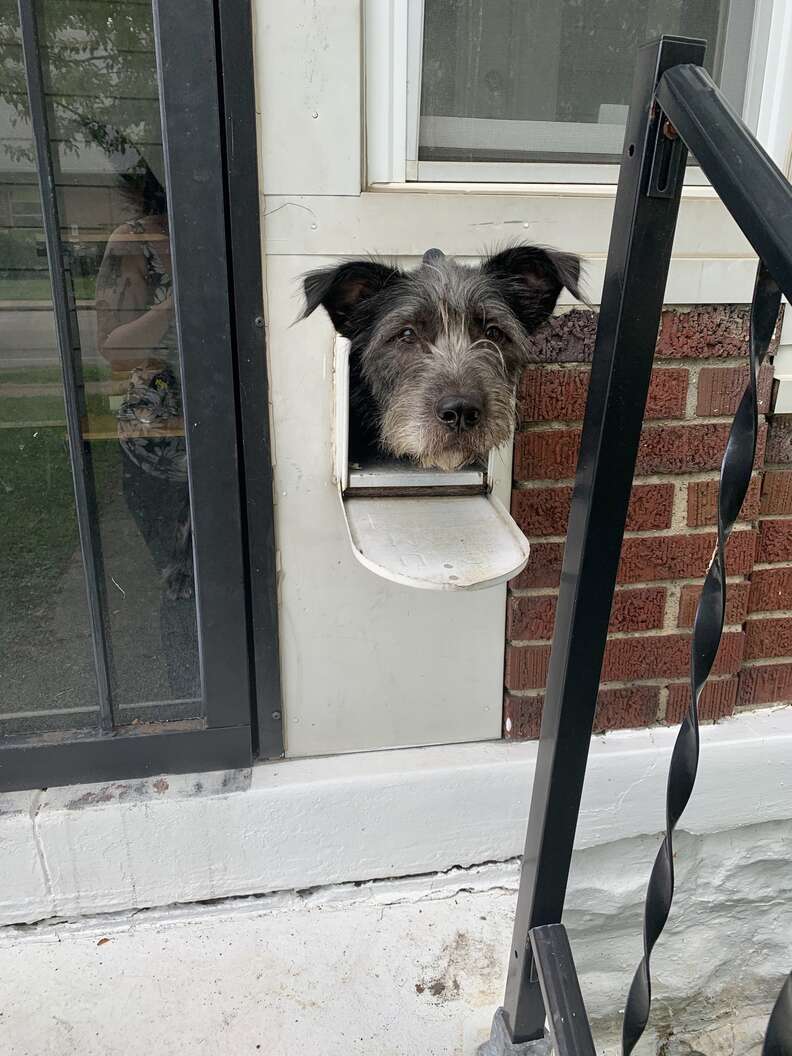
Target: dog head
point(439, 349)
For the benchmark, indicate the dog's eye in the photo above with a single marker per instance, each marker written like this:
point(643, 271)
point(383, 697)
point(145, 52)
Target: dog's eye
point(493, 333)
point(407, 334)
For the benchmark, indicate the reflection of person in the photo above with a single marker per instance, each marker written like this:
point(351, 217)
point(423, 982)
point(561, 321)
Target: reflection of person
point(136, 334)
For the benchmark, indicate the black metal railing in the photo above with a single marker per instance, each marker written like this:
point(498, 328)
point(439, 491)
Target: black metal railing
point(675, 107)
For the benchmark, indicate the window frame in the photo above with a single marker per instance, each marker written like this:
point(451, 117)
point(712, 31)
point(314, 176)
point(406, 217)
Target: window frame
point(218, 298)
point(393, 53)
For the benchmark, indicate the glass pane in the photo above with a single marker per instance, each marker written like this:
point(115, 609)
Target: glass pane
point(47, 679)
point(533, 80)
point(100, 75)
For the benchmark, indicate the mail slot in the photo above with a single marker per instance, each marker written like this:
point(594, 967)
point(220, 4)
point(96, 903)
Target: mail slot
point(419, 527)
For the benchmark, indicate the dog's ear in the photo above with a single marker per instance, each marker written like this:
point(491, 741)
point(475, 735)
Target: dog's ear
point(342, 290)
point(532, 278)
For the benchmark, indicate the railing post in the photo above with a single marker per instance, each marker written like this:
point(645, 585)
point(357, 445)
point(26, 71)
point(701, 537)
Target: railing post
point(646, 207)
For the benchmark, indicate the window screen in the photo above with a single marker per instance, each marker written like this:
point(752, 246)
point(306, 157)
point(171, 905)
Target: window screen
point(532, 80)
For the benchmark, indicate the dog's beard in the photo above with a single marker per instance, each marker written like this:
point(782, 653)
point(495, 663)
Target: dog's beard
point(409, 429)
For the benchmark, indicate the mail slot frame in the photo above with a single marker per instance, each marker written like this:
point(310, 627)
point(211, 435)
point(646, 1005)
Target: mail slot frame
point(430, 529)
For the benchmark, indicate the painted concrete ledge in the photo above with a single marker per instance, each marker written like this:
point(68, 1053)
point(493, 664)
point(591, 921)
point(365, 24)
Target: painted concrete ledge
point(307, 823)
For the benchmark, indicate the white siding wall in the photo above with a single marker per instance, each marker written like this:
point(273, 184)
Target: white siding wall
point(367, 664)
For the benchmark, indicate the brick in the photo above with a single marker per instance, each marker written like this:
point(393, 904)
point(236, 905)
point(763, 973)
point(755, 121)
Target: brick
point(546, 454)
point(716, 702)
point(779, 441)
point(736, 603)
point(665, 656)
point(531, 618)
point(720, 389)
point(638, 610)
point(565, 338)
point(647, 558)
point(543, 568)
point(702, 497)
point(705, 331)
point(775, 541)
point(552, 395)
point(771, 589)
point(777, 491)
point(768, 684)
point(626, 708)
point(768, 638)
point(522, 717)
point(560, 395)
point(651, 507)
point(551, 454)
point(617, 709)
point(545, 511)
point(686, 448)
point(526, 666)
point(667, 393)
point(541, 511)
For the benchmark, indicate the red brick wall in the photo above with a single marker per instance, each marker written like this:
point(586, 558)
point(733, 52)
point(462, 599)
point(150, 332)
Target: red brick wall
point(700, 371)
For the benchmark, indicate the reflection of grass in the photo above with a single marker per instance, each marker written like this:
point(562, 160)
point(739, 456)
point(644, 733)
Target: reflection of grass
point(47, 375)
point(32, 409)
point(38, 289)
point(38, 528)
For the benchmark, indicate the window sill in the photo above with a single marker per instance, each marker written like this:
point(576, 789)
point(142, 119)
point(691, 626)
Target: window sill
point(543, 190)
point(312, 822)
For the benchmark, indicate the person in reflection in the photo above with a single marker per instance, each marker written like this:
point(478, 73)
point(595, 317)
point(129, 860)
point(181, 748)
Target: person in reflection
point(136, 334)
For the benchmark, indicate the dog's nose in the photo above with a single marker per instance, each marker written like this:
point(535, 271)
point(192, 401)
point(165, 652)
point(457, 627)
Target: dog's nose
point(459, 412)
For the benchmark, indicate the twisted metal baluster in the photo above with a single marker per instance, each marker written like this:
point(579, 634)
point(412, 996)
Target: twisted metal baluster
point(735, 476)
point(778, 1039)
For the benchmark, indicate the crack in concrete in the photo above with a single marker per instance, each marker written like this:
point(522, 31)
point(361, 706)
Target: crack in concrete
point(36, 804)
point(383, 893)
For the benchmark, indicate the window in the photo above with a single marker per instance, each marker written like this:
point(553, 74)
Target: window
point(531, 91)
point(123, 628)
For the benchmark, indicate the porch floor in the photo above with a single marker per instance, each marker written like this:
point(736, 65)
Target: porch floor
point(401, 968)
point(412, 967)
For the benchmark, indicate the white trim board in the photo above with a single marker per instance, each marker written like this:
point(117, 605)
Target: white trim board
point(405, 223)
point(313, 822)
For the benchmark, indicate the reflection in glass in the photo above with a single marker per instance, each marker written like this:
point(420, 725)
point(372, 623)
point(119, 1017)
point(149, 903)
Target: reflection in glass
point(99, 70)
point(47, 679)
point(545, 80)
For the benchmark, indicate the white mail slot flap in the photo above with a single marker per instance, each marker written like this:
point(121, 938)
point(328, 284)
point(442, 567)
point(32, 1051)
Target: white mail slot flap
point(462, 542)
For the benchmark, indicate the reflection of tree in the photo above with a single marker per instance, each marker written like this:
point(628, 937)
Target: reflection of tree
point(99, 73)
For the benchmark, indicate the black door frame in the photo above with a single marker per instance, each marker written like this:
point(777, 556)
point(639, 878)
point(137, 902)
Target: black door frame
point(218, 306)
point(238, 135)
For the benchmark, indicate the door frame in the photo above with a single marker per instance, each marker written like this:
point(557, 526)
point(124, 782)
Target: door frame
point(246, 284)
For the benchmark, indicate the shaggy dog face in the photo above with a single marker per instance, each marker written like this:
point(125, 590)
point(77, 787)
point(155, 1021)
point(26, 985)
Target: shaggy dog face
point(436, 353)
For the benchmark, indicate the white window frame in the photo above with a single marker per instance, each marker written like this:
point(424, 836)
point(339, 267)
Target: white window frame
point(393, 60)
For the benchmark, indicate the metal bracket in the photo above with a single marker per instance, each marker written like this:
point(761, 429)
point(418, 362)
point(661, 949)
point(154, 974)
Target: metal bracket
point(500, 1043)
point(669, 158)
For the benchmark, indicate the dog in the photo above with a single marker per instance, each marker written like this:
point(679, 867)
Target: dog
point(436, 353)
